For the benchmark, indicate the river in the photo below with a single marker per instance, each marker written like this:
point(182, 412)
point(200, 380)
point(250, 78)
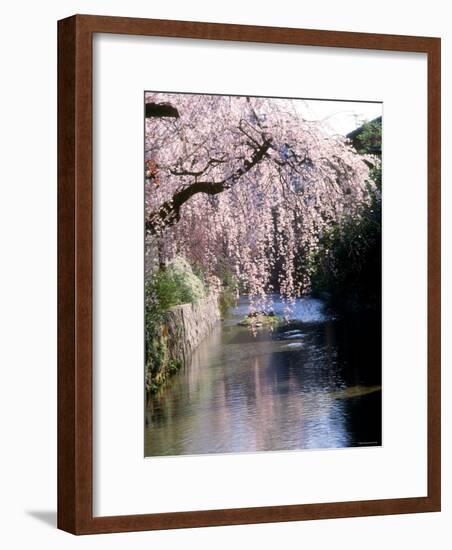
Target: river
point(314, 383)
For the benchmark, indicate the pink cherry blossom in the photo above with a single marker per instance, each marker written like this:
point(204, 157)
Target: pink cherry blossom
point(247, 182)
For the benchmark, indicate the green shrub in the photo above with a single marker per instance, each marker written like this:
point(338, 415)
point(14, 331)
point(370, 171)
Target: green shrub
point(227, 299)
point(177, 284)
point(347, 266)
point(229, 288)
point(172, 286)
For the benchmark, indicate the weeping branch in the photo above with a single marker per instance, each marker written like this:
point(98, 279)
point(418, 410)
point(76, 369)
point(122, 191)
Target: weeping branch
point(169, 213)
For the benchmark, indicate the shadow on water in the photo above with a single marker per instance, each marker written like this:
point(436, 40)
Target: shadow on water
point(313, 383)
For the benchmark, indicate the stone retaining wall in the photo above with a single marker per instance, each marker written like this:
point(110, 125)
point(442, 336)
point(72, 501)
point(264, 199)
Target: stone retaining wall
point(182, 330)
point(187, 325)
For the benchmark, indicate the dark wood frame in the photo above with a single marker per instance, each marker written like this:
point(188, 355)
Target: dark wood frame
point(75, 419)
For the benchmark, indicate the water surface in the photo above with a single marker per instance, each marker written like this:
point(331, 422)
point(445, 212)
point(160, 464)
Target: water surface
point(314, 383)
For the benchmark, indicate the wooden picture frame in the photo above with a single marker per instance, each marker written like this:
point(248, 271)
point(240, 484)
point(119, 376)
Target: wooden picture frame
point(75, 277)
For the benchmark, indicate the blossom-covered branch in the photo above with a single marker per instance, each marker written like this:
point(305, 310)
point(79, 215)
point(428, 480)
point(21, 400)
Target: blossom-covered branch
point(169, 212)
point(248, 183)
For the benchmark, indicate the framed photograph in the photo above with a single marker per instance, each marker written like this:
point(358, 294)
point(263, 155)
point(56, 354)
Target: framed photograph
point(249, 274)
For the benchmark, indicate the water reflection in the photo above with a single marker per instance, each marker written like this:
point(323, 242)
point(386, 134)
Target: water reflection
point(299, 387)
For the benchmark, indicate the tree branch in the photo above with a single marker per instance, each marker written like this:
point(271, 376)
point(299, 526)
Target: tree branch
point(169, 213)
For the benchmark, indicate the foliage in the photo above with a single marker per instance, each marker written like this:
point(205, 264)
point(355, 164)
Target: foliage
point(174, 285)
point(227, 299)
point(260, 319)
point(177, 284)
point(347, 265)
point(247, 182)
point(367, 138)
point(229, 292)
point(154, 346)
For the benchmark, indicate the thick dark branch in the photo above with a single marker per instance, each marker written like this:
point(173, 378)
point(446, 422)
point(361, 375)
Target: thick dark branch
point(161, 110)
point(211, 162)
point(169, 212)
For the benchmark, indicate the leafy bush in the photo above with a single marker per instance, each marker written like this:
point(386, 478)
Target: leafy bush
point(227, 299)
point(368, 137)
point(229, 290)
point(347, 266)
point(172, 286)
point(177, 284)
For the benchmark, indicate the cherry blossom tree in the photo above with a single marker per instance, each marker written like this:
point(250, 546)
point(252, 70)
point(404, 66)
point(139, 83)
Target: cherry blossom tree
point(247, 181)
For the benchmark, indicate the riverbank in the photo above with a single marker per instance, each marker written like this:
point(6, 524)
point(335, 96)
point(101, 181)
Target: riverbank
point(298, 386)
point(179, 333)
